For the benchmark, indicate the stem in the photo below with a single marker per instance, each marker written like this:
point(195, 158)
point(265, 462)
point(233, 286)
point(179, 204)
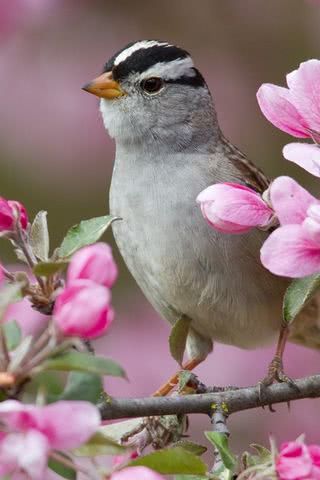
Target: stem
point(4, 354)
point(235, 400)
point(68, 463)
point(7, 274)
point(25, 247)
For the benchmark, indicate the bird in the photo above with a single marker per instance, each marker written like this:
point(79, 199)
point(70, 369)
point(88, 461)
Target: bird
point(158, 108)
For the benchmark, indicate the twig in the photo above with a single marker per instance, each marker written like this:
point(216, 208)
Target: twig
point(235, 400)
point(219, 424)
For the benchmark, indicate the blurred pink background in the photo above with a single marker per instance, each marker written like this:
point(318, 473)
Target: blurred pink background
point(55, 154)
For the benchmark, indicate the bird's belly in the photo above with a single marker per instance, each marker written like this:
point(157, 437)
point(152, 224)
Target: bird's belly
point(214, 279)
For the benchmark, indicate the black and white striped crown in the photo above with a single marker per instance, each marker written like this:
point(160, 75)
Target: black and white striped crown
point(157, 59)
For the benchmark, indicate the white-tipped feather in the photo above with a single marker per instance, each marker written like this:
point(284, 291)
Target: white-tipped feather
point(136, 46)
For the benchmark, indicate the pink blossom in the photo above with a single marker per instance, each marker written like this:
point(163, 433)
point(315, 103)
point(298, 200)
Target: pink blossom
point(26, 452)
point(136, 473)
point(83, 309)
point(1, 274)
point(305, 155)
point(290, 252)
point(296, 110)
point(8, 210)
point(233, 208)
point(297, 461)
point(293, 250)
point(32, 431)
point(290, 201)
point(95, 263)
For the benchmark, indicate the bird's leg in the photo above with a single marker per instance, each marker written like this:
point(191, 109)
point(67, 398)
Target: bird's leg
point(275, 370)
point(172, 382)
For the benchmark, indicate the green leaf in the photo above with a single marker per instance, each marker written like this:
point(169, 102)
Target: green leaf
point(61, 469)
point(83, 362)
point(51, 383)
point(20, 352)
point(220, 441)
point(82, 386)
point(172, 461)
point(9, 293)
point(178, 338)
point(184, 378)
point(12, 333)
point(85, 233)
point(298, 293)
point(191, 447)
point(39, 236)
point(45, 269)
point(263, 453)
point(100, 444)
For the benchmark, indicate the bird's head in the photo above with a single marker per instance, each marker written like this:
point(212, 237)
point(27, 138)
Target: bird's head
point(151, 89)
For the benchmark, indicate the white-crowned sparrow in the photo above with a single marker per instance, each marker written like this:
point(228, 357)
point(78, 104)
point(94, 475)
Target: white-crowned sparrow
point(169, 147)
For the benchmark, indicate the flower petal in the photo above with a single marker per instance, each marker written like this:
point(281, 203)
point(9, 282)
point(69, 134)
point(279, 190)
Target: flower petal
point(136, 473)
point(276, 105)
point(25, 451)
point(293, 462)
point(233, 208)
point(289, 200)
point(304, 85)
point(289, 252)
point(305, 155)
point(54, 422)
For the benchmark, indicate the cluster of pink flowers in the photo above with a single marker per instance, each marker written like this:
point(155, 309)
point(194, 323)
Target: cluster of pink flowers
point(29, 434)
point(293, 249)
point(83, 308)
point(9, 211)
point(297, 461)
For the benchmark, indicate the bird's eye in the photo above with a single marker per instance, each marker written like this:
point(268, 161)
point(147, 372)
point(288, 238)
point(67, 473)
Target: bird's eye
point(152, 84)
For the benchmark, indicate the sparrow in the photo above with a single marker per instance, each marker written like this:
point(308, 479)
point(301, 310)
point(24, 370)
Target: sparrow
point(169, 147)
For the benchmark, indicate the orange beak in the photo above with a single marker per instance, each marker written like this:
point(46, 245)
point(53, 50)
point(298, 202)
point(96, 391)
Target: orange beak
point(104, 87)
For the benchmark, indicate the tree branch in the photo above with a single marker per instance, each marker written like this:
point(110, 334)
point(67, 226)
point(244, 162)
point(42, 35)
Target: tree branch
point(234, 400)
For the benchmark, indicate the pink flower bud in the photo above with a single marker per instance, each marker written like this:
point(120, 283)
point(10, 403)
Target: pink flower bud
point(95, 263)
point(83, 309)
point(6, 217)
point(233, 208)
point(8, 210)
point(22, 212)
point(136, 473)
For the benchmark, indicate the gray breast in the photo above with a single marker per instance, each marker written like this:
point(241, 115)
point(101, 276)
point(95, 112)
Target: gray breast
point(180, 263)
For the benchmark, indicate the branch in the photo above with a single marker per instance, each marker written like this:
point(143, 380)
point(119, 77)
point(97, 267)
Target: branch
point(235, 400)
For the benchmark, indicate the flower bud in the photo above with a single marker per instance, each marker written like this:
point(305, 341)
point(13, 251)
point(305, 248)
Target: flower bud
point(234, 208)
point(19, 209)
point(83, 309)
point(95, 263)
point(9, 209)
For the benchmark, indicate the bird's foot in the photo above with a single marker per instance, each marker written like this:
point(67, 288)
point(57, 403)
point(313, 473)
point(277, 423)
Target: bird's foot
point(275, 374)
point(173, 381)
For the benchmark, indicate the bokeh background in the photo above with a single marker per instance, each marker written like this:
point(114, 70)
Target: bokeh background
point(56, 156)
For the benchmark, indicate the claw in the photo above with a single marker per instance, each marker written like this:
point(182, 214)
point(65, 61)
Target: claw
point(275, 374)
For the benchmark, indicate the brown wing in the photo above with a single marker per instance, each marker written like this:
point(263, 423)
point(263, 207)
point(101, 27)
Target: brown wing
point(248, 171)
